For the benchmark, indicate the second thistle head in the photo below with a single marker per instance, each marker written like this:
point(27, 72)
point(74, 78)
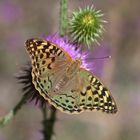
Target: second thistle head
point(85, 26)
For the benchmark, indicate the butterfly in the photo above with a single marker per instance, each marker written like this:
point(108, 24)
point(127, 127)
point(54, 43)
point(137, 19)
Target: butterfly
point(63, 82)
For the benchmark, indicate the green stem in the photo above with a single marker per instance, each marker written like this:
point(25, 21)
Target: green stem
point(4, 120)
point(48, 123)
point(63, 16)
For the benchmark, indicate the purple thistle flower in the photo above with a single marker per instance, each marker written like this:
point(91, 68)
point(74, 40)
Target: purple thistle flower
point(88, 58)
point(72, 50)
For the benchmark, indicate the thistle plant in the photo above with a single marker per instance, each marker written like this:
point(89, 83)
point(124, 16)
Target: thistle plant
point(85, 27)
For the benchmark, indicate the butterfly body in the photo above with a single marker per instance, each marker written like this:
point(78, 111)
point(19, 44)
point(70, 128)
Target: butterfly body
point(68, 75)
point(62, 81)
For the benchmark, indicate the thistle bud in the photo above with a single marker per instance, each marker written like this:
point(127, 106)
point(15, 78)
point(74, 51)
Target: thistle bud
point(85, 26)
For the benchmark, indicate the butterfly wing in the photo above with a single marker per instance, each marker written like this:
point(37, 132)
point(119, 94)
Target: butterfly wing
point(85, 93)
point(49, 62)
point(94, 94)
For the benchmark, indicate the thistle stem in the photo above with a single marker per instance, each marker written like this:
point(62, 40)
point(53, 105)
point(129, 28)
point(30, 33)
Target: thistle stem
point(4, 120)
point(63, 16)
point(48, 123)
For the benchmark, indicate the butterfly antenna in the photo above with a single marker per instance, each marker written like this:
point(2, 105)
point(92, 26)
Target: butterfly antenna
point(105, 57)
point(55, 35)
point(80, 53)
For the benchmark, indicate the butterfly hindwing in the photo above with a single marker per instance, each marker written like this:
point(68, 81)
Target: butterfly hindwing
point(94, 94)
point(64, 101)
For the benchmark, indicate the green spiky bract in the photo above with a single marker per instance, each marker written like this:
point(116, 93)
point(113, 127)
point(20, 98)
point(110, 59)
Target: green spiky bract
point(85, 26)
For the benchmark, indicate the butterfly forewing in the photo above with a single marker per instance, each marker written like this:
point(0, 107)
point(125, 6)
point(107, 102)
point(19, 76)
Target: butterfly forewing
point(49, 61)
point(45, 54)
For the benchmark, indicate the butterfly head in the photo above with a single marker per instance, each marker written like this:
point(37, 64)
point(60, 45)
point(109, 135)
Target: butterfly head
point(74, 67)
point(77, 61)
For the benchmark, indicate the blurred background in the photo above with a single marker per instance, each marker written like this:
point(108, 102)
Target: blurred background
point(20, 20)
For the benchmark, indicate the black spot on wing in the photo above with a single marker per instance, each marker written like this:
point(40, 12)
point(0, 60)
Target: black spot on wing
point(89, 98)
point(49, 66)
point(41, 56)
point(39, 42)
